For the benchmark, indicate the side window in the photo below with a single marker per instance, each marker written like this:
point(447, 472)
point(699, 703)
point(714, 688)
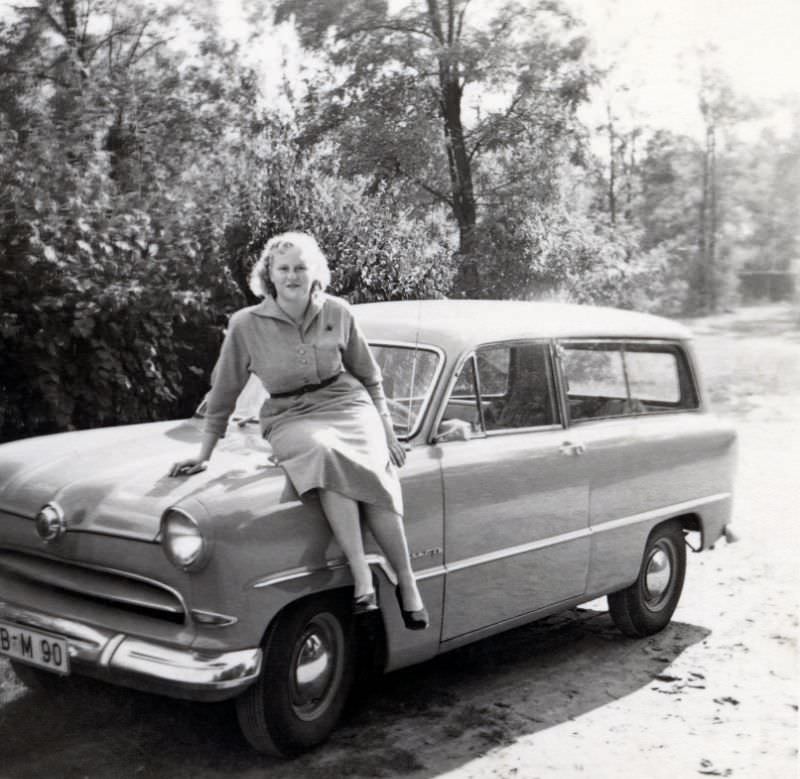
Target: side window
point(653, 377)
point(504, 387)
point(595, 379)
point(516, 386)
point(615, 379)
point(659, 378)
point(493, 368)
point(462, 416)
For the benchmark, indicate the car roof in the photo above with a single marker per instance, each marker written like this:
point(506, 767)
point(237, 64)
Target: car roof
point(454, 324)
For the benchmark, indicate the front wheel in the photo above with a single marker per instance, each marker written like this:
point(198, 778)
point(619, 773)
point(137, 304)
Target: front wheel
point(647, 605)
point(306, 676)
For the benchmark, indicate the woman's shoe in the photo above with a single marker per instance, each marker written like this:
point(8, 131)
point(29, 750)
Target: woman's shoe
point(413, 620)
point(363, 604)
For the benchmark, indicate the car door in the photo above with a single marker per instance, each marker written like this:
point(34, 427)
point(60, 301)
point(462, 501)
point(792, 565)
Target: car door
point(515, 493)
point(632, 406)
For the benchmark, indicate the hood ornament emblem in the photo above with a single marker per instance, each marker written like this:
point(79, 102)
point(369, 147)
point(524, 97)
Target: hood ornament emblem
point(50, 523)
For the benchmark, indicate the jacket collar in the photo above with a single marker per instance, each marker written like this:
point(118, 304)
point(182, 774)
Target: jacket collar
point(269, 308)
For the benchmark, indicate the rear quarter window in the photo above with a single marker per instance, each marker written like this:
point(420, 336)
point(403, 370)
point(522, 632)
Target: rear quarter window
point(617, 378)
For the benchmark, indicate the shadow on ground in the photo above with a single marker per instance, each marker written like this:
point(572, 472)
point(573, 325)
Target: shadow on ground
point(422, 720)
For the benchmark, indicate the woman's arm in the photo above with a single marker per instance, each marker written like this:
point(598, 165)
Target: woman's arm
point(229, 376)
point(200, 462)
point(359, 360)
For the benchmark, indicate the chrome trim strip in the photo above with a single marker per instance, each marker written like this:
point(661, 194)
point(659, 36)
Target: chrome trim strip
point(500, 554)
point(186, 668)
point(430, 573)
point(212, 619)
point(423, 409)
point(619, 340)
point(517, 430)
point(287, 576)
point(675, 508)
point(330, 565)
point(512, 551)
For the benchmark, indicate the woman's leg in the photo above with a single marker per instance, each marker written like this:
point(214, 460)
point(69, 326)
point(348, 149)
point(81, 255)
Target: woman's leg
point(342, 515)
point(387, 527)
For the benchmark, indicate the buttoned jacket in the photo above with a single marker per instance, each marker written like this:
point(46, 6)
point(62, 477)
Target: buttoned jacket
point(285, 356)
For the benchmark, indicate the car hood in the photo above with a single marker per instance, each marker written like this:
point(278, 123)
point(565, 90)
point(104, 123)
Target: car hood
point(114, 480)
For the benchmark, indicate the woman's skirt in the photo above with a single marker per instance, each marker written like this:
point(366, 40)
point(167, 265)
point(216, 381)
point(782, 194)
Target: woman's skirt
point(333, 438)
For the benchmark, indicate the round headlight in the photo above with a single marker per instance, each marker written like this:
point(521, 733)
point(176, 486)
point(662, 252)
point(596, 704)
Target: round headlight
point(183, 541)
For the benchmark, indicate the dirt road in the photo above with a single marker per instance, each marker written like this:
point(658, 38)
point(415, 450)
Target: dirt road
point(716, 694)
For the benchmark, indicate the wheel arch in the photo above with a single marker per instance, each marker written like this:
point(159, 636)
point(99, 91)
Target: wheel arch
point(369, 634)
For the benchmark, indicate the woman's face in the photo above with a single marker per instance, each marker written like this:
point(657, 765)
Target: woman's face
point(291, 275)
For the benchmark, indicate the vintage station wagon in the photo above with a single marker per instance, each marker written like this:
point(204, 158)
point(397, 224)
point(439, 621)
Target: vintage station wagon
point(556, 453)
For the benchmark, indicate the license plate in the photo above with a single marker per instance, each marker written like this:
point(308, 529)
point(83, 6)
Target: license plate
point(34, 647)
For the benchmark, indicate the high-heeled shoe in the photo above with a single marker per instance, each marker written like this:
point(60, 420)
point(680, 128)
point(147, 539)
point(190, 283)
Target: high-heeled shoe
point(363, 604)
point(413, 620)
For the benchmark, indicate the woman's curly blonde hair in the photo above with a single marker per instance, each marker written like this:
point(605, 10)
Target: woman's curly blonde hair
point(309, 249)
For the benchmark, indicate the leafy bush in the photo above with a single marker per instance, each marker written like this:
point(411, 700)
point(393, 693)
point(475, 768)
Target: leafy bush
point(553, 252)
point(375, 248)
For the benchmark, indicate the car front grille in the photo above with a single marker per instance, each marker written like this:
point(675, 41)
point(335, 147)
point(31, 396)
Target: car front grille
point(121, 590)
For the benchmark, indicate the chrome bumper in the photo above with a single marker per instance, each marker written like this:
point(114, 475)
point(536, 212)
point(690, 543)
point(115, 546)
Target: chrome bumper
point(145, 665)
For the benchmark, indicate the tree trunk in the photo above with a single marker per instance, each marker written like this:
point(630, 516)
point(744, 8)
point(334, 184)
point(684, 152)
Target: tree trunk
point(459, 164)
point(705, 291)
point(711, 260)
point(461, 186)
point(612, 168)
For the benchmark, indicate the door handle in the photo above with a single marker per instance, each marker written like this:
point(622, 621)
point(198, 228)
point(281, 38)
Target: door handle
point(568, 448)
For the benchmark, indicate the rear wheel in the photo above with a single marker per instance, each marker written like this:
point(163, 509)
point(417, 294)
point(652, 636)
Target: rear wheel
point(647, 605)
point(306, 675)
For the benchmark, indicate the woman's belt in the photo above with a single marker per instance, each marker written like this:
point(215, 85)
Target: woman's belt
point(306, 388)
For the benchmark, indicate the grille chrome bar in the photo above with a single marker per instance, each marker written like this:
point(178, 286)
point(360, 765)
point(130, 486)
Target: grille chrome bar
point(113, 587)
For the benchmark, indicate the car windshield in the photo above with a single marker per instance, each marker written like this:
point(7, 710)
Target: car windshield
point(408, 377)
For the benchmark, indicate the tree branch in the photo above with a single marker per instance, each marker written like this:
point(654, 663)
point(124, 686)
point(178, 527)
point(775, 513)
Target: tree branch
point(507, 183)
point(460, 25)
point(439, 196)
point(38, 74)
point(136, 43)
point(52, 20)
point(152, 46)
point(97, 45)
point(389, 27)
point(492, 126)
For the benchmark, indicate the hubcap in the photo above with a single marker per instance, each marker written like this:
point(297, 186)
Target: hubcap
point(658, 576)
point(317, 666)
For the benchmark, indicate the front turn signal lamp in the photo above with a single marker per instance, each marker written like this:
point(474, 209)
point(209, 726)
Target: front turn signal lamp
point(183, 541)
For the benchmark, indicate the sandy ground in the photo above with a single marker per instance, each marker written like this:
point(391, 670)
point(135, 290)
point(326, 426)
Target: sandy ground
point(715, 694)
